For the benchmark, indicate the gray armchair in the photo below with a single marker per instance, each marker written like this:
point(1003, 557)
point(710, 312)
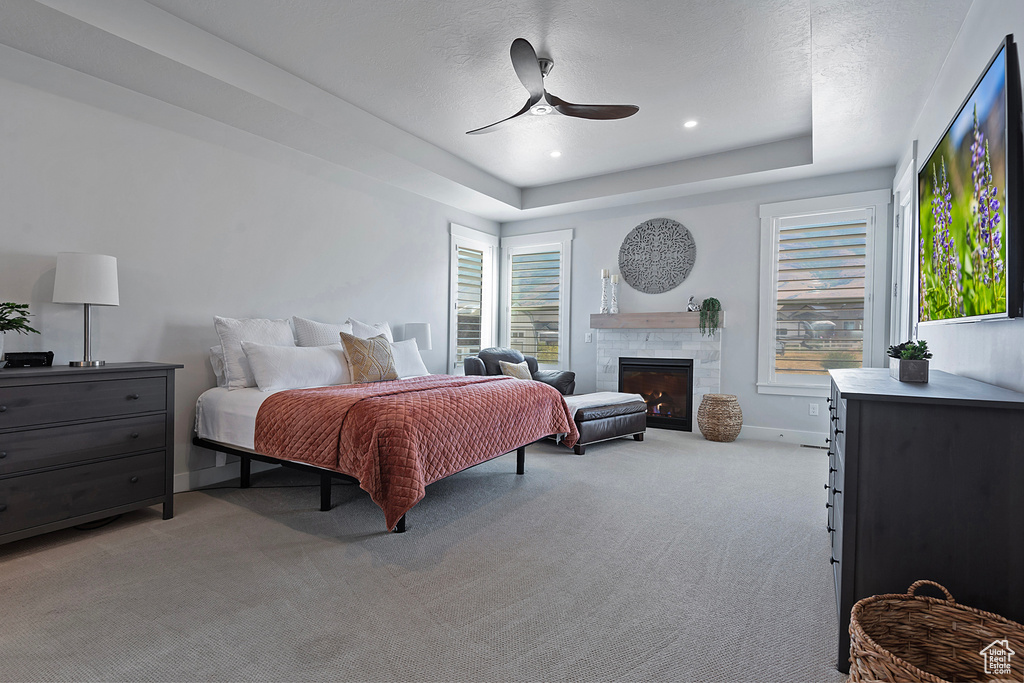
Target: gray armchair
point(486, 363)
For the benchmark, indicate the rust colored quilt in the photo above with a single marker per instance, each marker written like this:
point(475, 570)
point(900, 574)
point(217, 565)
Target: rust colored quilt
point(396, 437)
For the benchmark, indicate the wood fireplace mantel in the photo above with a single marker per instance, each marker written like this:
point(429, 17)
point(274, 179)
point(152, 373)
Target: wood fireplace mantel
point(652, 321)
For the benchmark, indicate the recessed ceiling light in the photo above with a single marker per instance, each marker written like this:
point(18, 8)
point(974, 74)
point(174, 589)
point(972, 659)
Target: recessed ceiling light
point(690, 124)
point(555, 154)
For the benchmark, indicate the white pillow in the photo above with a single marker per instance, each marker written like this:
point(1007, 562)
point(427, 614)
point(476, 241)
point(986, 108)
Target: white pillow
point(311, 333)
point(233, 331)
point(296, 367)
point(364, 331)
point(217, 361)
point(408, 362)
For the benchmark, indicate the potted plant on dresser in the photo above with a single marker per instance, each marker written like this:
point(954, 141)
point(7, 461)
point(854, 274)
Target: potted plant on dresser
point(908, 362)
point(13, 318)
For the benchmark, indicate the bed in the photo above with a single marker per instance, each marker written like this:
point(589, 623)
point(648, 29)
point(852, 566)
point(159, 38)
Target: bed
point(393, 437)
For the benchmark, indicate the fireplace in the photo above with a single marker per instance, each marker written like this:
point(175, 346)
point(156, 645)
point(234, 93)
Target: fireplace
point(667, 387)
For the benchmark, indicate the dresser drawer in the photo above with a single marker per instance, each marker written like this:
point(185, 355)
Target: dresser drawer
point(37, 499)
point(23, 406)
point(32, 449)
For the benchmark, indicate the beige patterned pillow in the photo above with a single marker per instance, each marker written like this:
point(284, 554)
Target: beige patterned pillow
point(517, 370)
point(370, 360)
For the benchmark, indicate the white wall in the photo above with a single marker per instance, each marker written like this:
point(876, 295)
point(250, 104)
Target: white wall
point(201, 229)
point(726, 228)
point(988, 351)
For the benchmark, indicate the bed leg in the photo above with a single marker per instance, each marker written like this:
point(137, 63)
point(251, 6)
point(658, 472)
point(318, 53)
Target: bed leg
point(325, 492)
point(246, 465)
point(521, 460)
point(400, 527)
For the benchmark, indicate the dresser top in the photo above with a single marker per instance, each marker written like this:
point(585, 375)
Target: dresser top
point(61, 370)
point(875, 384)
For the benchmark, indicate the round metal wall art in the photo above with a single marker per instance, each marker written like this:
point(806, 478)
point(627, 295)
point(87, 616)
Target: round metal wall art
point(657, 255)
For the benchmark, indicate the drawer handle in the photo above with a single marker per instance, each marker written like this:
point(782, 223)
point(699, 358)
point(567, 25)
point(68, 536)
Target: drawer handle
point(830, 529)
point(134, 480)
point(832, 469)
point(828, 505)
point(135, 435)
point(829, 399)
point(828, 440)
point(133, 397)
point(839, 431)
point(833, 560)
point(836, 491)
point(826, 486)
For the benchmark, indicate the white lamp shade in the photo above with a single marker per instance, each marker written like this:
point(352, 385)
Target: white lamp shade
point(85, 279)
point(421, 333)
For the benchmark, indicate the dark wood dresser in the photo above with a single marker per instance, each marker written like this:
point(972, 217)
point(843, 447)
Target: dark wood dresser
point(926, 481)
point(80, 444)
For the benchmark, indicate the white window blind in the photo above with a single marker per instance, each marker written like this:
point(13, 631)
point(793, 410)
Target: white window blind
point(473, 289)
point(535, 303)
point(820, 286)
point(469, 302)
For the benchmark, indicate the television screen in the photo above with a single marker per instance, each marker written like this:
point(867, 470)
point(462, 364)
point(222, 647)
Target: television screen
point(965, 259)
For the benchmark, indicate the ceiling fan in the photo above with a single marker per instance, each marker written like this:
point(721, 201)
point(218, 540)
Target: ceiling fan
point(531, 70)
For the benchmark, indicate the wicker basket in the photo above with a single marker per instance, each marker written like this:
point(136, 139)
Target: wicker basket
point(719, 417)
point(907, 637)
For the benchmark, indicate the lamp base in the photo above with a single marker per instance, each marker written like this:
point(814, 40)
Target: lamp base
point(87, 363)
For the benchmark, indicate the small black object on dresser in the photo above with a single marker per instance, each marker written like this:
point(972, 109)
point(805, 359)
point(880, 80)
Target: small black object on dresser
point(81, 444)
point(925, 482)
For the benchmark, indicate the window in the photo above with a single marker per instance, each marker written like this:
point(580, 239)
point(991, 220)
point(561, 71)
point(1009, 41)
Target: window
point(473, 275)
point(817, 274)
point(536, 295)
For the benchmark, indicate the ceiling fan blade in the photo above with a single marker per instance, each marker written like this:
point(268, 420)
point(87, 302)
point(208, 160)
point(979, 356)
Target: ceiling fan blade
point(524, 61)
point(591, 111)
point(489, 128)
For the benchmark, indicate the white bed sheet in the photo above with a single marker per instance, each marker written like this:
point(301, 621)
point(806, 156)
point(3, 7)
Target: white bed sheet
point(228, 416)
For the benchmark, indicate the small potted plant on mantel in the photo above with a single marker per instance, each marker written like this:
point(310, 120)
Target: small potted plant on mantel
point(908, 362)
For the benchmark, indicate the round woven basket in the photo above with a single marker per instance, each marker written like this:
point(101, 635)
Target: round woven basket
point(719, 417)
point(907, 637)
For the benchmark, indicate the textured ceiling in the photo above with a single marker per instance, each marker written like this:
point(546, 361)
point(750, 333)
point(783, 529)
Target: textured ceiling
point(388, 87)
point(438, 69)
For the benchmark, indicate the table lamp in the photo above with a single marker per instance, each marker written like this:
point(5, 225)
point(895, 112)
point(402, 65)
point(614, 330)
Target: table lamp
point(421, 333)
point(89, 279)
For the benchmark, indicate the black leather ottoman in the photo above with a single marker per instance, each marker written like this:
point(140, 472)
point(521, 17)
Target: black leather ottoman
point(601, 423)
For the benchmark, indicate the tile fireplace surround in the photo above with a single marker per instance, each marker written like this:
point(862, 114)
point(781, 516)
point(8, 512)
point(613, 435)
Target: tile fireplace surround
point(658, 335)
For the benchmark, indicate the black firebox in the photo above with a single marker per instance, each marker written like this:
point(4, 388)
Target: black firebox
point(667, 387)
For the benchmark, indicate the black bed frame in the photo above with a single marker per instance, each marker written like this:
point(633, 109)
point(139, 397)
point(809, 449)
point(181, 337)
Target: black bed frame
point(325, 475)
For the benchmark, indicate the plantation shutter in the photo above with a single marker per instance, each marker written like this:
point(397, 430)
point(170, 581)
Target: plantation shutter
point(534, 304)
point(820, 286)
point(469, 302)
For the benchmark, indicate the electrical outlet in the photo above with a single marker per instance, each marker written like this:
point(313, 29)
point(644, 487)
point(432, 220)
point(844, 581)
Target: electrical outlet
point(812, 408)
point(588, 337)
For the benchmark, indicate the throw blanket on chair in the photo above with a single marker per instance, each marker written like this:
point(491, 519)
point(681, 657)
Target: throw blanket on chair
point(396, 437)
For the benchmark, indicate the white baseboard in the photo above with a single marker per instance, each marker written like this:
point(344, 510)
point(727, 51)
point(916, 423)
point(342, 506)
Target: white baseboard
point(208, 476)
point(793, 436)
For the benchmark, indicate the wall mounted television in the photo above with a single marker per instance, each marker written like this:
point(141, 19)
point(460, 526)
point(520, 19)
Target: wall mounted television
point(970, 234)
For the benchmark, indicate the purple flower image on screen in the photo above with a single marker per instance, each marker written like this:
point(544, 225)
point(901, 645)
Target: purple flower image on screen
point(986, 237)
point(924, 310)
point(945, 258)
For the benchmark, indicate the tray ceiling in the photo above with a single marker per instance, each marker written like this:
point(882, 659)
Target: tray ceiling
point(779, 88)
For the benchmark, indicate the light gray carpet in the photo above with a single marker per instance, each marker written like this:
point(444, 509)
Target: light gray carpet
point(673, 559)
